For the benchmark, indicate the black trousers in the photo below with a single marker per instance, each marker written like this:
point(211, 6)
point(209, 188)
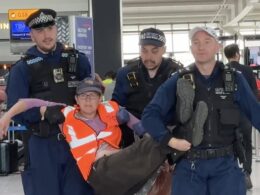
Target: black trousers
point(125, 172)
point(246, 130)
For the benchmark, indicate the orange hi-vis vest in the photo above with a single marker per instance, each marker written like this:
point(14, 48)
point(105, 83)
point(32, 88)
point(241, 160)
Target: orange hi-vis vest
point(83, 140)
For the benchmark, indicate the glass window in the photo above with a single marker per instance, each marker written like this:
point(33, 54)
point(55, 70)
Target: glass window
point(180, 26)
point(247, 31)
point(212, 25)
point(130, 28)
point(185, 58)
point(193, 25)
point(168, 36)
point(163, 27)
point(130, 43)
point(180, 41)
point(250, 24)
point(141, 27)
point(127, 57)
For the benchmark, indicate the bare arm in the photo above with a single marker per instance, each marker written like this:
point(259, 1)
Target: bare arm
point(18, 108)
point(21, 106)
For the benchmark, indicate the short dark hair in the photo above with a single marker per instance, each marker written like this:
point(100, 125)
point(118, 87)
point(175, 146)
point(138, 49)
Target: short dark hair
point(110, 74)
point(231, 50)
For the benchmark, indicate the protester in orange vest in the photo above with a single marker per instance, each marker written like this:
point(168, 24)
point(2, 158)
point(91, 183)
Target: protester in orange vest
point(92, 130)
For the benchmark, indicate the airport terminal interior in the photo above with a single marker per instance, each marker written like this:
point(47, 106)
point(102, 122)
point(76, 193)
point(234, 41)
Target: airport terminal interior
point(235, 21)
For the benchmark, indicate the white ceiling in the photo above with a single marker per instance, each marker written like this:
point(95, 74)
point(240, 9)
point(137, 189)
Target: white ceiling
point(226, 12)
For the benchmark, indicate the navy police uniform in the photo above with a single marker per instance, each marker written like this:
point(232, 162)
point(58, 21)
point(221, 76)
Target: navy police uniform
point(134, 88)
point(211, 167)
point(245, 125)
point(54, 76)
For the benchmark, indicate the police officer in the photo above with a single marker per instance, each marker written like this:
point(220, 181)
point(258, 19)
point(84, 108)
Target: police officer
point(209, 168)
point(233, 55)
point(137, 82)
point(50, 72)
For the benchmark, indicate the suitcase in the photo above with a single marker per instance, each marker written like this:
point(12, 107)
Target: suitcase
point(13, 152)
point(9, 155)
point(4, 158)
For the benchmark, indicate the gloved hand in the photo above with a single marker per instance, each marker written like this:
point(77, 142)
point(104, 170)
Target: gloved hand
point(122, 116)
point(139, 129)
point(54, 115)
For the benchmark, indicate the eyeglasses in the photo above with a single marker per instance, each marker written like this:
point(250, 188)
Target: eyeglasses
point(85, 96)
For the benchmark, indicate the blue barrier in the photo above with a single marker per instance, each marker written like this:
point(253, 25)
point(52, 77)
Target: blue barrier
point(17, 128)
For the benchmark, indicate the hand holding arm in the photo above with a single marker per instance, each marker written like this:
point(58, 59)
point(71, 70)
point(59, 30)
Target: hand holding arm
point(123, 116)
point(179, 144)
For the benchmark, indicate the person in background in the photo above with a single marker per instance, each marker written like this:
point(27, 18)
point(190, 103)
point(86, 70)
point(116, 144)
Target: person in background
point(109, 83)
point(92, 130)
point(137, 82)
point(233, 55)
point(211, 167)
point(51, 72)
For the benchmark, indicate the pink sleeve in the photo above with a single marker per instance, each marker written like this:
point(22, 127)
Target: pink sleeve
point(33, 102)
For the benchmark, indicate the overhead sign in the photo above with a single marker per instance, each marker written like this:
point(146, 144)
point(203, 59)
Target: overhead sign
point(20, 14)
point(4, 26)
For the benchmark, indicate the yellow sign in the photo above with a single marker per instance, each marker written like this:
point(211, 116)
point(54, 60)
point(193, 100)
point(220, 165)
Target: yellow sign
point(20, 14)
point(4, 25)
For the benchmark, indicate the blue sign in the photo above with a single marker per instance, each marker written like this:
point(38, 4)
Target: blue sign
point(84, 40)
point(17, 128)
point(19, 31)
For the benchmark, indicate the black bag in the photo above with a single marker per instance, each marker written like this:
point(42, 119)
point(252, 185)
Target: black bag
point(4, 158)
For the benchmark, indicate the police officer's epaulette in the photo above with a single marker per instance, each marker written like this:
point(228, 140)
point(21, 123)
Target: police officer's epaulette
point(186, 70)
point(66, 51)
point(134, 62)
point(31, 59)
point(176, 64)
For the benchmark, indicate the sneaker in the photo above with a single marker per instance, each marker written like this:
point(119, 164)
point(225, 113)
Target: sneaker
point(185, 96)
point(197, 122)
point(248, 181)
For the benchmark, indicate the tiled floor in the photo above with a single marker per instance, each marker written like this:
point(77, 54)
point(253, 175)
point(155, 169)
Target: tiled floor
point(11, 185)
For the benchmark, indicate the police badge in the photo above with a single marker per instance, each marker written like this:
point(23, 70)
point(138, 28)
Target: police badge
point(58, 75)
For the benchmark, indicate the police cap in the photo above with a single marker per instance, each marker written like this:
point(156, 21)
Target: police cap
point(152, 36)
point(41, 18)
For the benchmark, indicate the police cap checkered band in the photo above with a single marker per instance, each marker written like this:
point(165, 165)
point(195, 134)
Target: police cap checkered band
point(88, 85)
point(41, 18)
point(152, 36)
point(208, 30)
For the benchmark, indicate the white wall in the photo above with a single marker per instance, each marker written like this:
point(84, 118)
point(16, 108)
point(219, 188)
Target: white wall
point(58, 5)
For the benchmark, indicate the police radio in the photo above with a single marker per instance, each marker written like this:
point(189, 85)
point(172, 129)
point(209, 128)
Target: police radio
point(229, 79)
point(73, 60)
point(132, 78)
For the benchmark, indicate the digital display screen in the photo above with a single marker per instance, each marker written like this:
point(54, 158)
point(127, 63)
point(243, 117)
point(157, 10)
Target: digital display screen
point(19, 31)
point(254, 56)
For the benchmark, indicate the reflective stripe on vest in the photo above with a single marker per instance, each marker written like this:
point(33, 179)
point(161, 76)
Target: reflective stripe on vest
point(83, 140)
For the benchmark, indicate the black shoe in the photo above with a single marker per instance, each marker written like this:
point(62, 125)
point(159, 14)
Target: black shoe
point(248, 181)
point(197, 122)
point(185, 96)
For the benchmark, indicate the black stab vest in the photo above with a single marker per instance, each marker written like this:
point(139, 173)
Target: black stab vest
point(52, 82)
point(139, 96)
point(223, 113)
